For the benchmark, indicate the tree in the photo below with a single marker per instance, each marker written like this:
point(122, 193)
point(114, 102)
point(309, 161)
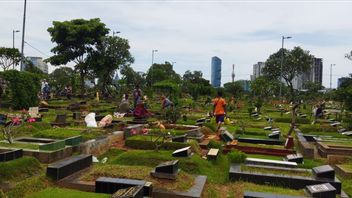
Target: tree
point(195, 84)
point(234, 88)
point(62, 77)
point(312, 92)
point(131, 78)
point(76, 40)
point(264, 87)
point(349, 55)
point(112, 53)
point(295, 62)
point(8, 57)
point(161, 72)
point(344, 94)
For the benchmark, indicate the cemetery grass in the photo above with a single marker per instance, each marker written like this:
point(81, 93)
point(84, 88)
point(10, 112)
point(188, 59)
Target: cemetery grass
point(28, 186)
point(19, 169)
point(183, 181)
point(19, 145)
point(63, 133)
point(67, 193)
point(253, 169)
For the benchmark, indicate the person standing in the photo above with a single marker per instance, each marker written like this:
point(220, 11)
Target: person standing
point(166, 102)
point(137, 96)
point(219, 110)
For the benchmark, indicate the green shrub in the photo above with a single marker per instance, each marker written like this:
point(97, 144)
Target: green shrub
point(23, 88)
point(211, 126)
point(235, 156)
point(215, 144)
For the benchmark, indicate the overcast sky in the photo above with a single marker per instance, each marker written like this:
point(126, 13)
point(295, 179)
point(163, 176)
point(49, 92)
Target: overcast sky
point(191, 32)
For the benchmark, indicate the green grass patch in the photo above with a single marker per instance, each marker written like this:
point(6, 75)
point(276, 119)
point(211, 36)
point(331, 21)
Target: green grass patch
point(62, 133)
point(276, 171)
point(67, 193)
point(28, 186)
point(20, 145)
point(18, 169)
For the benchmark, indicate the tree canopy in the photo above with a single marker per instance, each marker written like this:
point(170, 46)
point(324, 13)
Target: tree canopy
point(161, 72)
point(9, 57)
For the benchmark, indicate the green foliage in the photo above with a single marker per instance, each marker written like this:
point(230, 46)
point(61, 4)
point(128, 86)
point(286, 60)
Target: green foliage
point(112, 53)
point(236, 156)
point(23, 88)
point(171, 115)
point(62, 77)
point(131, 78)
point(215, 144)
point(195, 84)
point(162, 72)
point(19, 169)
point(264, 87)
point(76, 40)
point(234, 89)
point(167, 86)
point(9, 57)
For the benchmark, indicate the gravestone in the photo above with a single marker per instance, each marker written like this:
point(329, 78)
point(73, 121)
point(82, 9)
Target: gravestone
point(289, 144)
point(325, 190)
point(335, 124)
point(298, 158)
point(274, 135)
point(132, 130)
point(226, 136)
point(77, 115)
point(166, 170)
point(183, 152)
point(60, 120)
point(195, 134)
point(34, 112)
point(130, 192)
point(342, 130)
point(268, 128)
point(303, 116)
point(325, 171)
point(213, 154)
point(43, 109)
point(201, 120)
point(348, 133)
point(180, 138)
point(275, 129)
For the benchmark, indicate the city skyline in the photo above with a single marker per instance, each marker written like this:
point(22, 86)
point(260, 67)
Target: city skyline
point(190, 33)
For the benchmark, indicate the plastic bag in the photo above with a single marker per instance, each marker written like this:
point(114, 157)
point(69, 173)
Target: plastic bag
point(90, 120)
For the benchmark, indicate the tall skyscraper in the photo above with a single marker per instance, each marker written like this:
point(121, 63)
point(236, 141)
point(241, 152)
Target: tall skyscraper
point(215, 71)
point(37, 62)
point(257, 70)
point(314, 74)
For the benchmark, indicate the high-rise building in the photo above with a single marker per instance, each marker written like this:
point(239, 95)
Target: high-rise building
point(257, 70)
point(37, 62)
point(215, 71)
point(314, 74)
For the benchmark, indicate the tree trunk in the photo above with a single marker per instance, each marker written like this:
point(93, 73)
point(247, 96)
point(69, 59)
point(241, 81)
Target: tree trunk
point(82, 75)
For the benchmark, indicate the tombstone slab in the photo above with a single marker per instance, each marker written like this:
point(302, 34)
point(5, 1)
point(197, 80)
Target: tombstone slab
point(183, 152)
point(298, 158)
point(180, 138)
point(274, 135)
point(226, 136)
point(325, 190)
point(268, 128)
point(325, 171)
point(213, 154)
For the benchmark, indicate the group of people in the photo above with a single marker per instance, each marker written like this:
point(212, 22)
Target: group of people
point(140, 104)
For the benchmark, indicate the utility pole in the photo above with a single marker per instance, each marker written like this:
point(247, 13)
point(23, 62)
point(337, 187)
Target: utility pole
point(233, 73)
point(331, 76)
point(23, 31)
point(282, 61)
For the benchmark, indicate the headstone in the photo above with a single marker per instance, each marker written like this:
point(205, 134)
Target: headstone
point(166, 170)
point(267, 162)
point(180, 138)
point(227, 136)
point(183, 152)
point(254, 114)
point(202, 120)
point(275, 129)
point(34, 112)
point(348, 133)
point(43, 110)
point(342, 130)
point(274, 135)
point(76, 115)
point(60, 120)
point(303, 116)
point(110, 185)
point(213, 154)
point(325, 171)
point(298, 158)
point(325, 190)
point(268, 128)
point(195, 134)
point(132, 130)
point(130, 192)
point(289, 144)
point(335, 124)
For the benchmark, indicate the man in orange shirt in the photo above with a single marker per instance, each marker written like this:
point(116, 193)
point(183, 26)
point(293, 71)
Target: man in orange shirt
point(219, 109)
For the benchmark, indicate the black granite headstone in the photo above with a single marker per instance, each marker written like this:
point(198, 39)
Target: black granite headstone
point(325, 171)
point(298, 158)
point(76, 115)
point(201, 120)
point(325, 190)
point(227, 136)
point(43, 110)
point(8, 155)
point(64, 168)
point(180, 138)
point(183, 152)
point(170, 167)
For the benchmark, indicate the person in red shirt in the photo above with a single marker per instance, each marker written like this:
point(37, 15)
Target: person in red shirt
point(219, 109)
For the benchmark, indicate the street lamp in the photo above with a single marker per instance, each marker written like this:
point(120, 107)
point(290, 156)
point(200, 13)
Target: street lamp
point(153, 51)
point(331, 75)
point(113, 33)
point(13, 37)
point(23, 30)
point(282, 60)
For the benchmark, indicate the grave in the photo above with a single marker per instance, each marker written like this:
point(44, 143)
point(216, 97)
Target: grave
point(130, 192)
point(10, 154)
point(180, 138)
point(34, 113)
point(250, 194)
point(77, 115)
point(132, 130)
point(266, 162)
point(195, 134)
point(213, 154)
point(348, 133)
point(166, 170)
point(110, 185)
point(325, 171)
point(66, 167)
point(183, 152)
point(298, 158)
point(325, 190)
point(325, 149)
point(260, 141)
point(287, 181)
point(274, 135)
point(60, 121)
point(335, 124)
point(43, 109)
point(268, 128)
point(226, 136)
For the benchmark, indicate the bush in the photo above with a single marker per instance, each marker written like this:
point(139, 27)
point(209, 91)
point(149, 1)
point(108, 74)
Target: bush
point(23, 88)
point(215, 144)
point(236, 156)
